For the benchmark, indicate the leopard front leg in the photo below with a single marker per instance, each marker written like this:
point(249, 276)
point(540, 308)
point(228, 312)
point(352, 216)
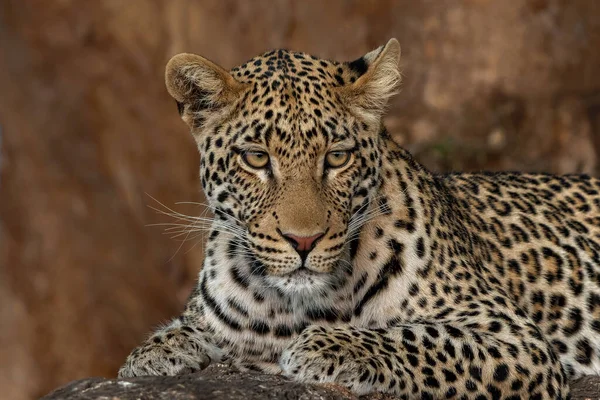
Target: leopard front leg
point(429, 361)
point(174, 350)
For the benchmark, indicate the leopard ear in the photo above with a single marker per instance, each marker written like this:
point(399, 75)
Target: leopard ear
point(379, 79)
point(200, 87)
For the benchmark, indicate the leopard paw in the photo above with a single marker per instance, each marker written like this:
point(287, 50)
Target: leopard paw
point(176, 351)
point(334, 355)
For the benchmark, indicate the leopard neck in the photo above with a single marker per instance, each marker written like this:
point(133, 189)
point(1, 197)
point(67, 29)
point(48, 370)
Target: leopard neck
point(394, 249)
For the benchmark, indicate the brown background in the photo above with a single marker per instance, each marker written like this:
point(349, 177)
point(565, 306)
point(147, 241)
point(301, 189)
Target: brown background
point(87, 130)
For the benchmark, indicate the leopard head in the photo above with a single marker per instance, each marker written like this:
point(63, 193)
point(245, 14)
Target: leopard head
point(290, 153)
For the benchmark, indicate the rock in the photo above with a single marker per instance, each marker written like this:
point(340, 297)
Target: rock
point(217, 382)
point(586, 388)
point(220, 383)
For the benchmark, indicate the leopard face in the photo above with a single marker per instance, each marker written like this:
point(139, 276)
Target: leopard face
point(290, 155)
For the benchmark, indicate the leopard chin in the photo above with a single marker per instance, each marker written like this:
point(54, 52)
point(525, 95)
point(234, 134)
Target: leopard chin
point(301, 282)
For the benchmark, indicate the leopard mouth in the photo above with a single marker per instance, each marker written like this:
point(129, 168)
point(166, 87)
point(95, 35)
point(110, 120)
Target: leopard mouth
point(260, 267)
point(300, 273)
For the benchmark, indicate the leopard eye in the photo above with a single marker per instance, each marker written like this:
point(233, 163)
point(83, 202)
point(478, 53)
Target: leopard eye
point(337, 159)
point(256, 159)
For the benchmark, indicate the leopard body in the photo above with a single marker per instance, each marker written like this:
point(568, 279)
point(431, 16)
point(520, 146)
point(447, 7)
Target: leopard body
point(464, 285)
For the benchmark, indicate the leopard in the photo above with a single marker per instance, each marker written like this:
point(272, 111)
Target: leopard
point(335, 257)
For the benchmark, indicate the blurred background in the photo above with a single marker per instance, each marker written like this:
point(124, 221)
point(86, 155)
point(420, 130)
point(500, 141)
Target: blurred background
point(88, 131)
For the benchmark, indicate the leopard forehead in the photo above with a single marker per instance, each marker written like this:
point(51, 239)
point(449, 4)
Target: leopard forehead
point(303, 71)
point(294, 98)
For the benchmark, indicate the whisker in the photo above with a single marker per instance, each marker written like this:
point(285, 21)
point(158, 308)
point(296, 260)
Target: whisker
point(191, 228)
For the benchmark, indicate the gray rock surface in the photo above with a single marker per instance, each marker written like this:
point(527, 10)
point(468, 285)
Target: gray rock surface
point(220, 383)
point(586, 388)
point(217, 382)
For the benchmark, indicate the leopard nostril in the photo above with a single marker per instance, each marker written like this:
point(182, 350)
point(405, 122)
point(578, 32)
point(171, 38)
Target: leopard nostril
point(302, 244)
point(291, 241)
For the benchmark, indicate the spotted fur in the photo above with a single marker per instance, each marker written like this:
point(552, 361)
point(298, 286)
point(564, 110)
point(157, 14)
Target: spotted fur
point(465, 286)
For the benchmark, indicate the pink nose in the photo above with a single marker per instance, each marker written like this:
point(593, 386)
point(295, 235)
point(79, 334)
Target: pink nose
point(302, 243)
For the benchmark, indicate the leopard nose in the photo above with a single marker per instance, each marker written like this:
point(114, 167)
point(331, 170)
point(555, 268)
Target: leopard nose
point(303, 244)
